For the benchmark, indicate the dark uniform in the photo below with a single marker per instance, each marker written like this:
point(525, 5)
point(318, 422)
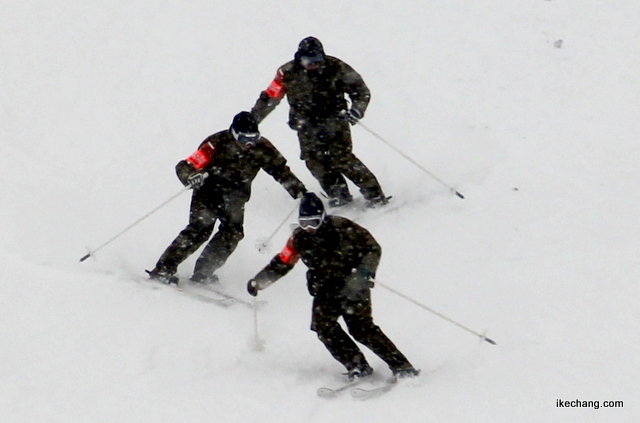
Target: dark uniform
point(320, 114)
point(342, 258)
point(231, 168)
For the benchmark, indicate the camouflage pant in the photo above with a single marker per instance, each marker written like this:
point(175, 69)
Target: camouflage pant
point(206, 209)
point(358, 318)
point(326, 149)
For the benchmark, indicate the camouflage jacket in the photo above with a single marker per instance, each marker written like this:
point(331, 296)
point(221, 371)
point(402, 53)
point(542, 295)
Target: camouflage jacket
point(230, 168)
point(313, 96)
point(338, 249)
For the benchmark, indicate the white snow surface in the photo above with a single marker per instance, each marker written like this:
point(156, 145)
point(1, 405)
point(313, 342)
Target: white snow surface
point(529, 108)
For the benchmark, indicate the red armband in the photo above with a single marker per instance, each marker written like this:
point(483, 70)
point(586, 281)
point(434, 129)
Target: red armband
point(201, 157)
point(276, 89)
point(289, 255)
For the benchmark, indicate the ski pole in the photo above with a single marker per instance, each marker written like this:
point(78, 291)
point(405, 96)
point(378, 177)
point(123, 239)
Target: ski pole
point(480, 335)
point(257, 342)
point(262, 245)
point(418, 165)
point(92, 252)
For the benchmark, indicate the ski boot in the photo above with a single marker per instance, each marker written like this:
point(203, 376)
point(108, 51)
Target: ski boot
point(359, 372)
point(163, 276)
point(199, 278)
point(339, 195)
point(378, 201)
point(404, 372)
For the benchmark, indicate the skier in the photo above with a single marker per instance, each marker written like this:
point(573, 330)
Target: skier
point(316, 85)
point(342, 259)
point(220, 173)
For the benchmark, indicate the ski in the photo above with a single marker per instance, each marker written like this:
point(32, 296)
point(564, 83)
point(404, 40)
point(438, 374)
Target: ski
point(361, 393)
point(360, 204)
point(358, 210)
point(228, 297)
point(325, 392)
point(210, 293)
point(224, 302)
point(220, 301)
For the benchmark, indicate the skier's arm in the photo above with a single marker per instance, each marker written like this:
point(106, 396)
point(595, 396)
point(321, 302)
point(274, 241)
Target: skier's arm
point(269, 98)
point(276, 166)
point(367, 248)
point(195, 163)
point(362, 276)
point(279, 266)
point(356, 88)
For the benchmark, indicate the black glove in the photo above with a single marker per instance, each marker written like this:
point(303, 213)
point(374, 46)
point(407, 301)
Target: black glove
point(297, 124)
point(196, 180)
point(252, 287)
point(353, 115)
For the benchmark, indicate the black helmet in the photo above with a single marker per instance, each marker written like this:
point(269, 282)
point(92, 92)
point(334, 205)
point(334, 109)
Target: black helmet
point(310, 53)
point(311, 214)
point(245, 129)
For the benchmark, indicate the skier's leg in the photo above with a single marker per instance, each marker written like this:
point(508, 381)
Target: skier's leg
point(225, 241)
point(315, 150)
point(324, 322)
point(358, 317)
point(331, 181)
point(360, 175)
point(201, 223)
point(344, 161)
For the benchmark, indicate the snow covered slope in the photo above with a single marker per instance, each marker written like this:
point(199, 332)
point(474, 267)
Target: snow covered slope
point(527, 107)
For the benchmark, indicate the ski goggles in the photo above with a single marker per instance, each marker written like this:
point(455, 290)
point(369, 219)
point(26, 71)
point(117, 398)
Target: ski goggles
point(310, 222)
point(246, 139)
point(311, 62)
